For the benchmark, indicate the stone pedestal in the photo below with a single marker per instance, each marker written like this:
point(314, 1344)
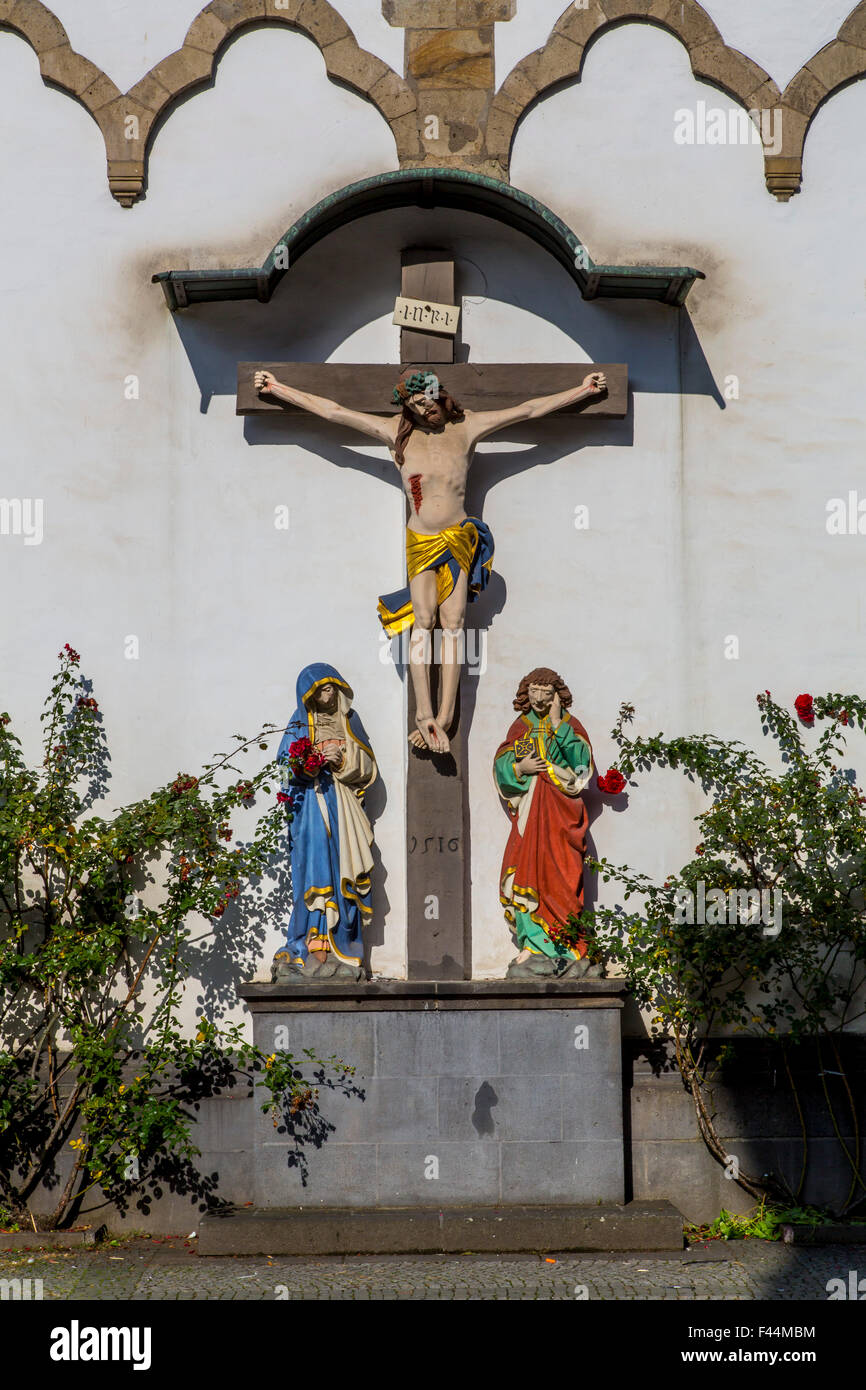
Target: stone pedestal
point(481, 1093)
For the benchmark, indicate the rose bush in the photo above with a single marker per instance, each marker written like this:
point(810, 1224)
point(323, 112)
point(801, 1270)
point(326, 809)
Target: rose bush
point(97, 913)
point(794, 827)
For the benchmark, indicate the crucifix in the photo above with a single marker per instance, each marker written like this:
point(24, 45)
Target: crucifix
point(431, 413)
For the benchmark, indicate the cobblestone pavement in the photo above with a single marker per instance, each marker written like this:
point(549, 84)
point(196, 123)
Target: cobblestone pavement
point(170, 1269)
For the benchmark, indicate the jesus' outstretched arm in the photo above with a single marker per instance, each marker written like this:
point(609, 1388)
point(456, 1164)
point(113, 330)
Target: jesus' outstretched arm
point(383, 428)
point(486, 422)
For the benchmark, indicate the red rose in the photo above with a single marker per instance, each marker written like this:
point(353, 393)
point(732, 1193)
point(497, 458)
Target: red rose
point(805, 708)
point(183, 784)
point(612, 782)
point(283, 796)
point(303, 757)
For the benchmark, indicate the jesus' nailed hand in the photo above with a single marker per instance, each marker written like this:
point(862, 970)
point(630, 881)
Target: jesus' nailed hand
point(433, 442)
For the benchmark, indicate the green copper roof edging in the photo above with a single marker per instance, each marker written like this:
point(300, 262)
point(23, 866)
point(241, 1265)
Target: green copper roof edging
point(455, 188)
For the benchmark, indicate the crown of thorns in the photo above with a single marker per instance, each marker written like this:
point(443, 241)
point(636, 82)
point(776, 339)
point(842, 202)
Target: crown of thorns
point(425, 382)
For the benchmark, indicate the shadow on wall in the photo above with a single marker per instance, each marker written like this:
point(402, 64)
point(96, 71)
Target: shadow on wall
point(234, 949)
point(345, 287)
point(779, 1111)
point(347, 284)
point(302, 1124)
point(351, 279)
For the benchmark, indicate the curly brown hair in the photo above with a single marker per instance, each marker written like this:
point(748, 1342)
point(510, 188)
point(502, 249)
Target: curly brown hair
point(452, 410)
point(542, 675)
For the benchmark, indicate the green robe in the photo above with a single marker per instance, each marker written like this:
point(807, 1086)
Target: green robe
point(541, 883)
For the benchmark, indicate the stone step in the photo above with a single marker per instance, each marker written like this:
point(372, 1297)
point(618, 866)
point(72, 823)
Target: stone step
point(423, 1230)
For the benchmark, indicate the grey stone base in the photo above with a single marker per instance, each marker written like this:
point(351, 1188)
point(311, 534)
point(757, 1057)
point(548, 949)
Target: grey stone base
point(834, 1233)
point(756, 1117)
point(482, 1094)
point(418, 1230)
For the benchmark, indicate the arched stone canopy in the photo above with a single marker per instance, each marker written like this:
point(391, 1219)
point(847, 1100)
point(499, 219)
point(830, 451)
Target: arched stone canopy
point(431, 188)
point(833, 67)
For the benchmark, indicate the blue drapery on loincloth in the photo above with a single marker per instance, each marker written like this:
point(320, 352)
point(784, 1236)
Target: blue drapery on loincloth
point(468, 546)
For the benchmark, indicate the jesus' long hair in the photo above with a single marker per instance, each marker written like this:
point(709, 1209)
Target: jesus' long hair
point(452, 410)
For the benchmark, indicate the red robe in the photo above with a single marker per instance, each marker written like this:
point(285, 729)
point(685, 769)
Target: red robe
point(545, 863)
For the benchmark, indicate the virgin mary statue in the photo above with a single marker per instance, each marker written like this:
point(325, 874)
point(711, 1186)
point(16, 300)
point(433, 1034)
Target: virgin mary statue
point(327, 765)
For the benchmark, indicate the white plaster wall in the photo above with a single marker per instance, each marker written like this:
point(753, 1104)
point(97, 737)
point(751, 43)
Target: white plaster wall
point(705, 522)
point(373, 31)
point(781, 35)
point(524, 33)
point(126, 37)
point(562, 597)
point(783, 309)
point(159, 517)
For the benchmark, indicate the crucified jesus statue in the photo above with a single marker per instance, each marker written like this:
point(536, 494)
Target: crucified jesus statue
point(448, 554)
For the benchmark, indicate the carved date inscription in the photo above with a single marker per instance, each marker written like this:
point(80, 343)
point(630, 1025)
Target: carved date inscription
point(434, 844)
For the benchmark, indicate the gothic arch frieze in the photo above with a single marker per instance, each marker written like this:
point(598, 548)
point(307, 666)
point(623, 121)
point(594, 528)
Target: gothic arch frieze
point(129, 120)
point(712, 60)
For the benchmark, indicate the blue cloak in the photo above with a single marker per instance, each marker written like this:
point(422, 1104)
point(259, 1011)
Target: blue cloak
point(319, 890)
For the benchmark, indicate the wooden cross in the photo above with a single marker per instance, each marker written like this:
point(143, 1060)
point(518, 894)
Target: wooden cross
point(437, 862)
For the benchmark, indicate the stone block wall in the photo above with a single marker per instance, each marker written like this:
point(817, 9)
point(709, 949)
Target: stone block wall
point(450, 1106)
point(756, 1116)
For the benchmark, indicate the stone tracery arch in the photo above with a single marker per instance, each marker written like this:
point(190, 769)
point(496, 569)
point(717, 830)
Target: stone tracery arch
point(562, 57)
point(192, 65)
point(835, 66)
